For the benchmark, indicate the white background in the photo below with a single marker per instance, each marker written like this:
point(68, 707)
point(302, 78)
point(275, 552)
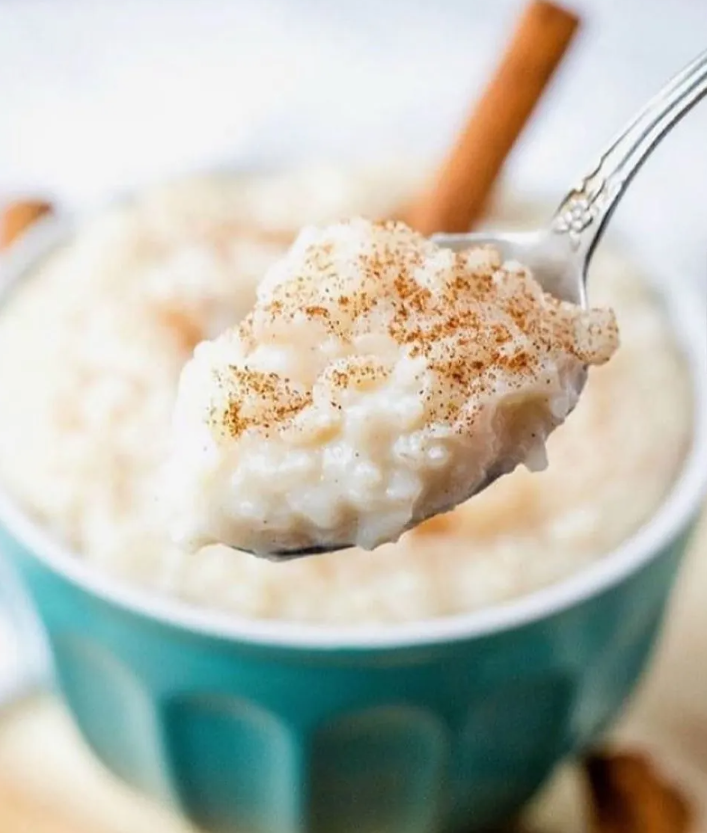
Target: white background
point(96, 95)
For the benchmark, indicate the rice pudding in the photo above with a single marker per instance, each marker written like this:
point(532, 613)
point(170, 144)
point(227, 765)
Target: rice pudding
point(379, 380)
point(105, 325)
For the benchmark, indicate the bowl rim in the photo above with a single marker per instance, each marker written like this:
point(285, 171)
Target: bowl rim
point(687, 312)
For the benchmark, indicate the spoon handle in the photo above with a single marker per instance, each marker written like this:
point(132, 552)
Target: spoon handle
point(584, 212)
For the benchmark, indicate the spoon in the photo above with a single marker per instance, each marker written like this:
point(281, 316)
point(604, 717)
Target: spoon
point(559, 254)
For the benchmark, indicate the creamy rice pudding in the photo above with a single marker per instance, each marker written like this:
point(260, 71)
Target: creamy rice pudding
point(379, 380)
point(98, 337)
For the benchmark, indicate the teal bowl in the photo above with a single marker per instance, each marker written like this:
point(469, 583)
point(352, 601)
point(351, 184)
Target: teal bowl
point(265, 727)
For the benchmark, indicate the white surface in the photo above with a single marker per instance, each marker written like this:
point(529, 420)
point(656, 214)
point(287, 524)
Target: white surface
point(97, 95)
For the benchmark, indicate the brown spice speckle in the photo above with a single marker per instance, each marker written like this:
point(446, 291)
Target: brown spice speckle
point(471, 319)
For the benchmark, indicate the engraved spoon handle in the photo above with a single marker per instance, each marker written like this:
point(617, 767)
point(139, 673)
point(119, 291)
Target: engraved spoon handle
point(585, 211)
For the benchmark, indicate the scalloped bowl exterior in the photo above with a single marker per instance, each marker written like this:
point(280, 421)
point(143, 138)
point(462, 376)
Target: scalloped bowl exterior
point(257, 738)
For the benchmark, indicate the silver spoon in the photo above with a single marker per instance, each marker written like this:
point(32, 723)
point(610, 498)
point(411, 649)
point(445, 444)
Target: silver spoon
point(559, 254)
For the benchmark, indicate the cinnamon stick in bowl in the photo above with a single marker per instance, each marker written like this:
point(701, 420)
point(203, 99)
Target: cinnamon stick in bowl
point(16, 217)
point(464, 181)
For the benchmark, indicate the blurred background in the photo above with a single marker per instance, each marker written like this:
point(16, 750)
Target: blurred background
point(98, 95)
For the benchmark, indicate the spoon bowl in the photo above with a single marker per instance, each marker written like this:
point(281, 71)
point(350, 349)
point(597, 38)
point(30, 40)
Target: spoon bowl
point(549, 256)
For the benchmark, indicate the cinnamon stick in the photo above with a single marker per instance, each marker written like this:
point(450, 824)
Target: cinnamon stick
point(18, 216)
point(628, 795)
point(464, 181)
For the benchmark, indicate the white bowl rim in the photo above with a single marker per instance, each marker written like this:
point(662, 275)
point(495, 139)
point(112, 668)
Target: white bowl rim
point(688, 313)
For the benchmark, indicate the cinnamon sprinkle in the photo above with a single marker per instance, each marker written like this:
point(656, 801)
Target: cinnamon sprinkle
point(468, 319)
point(277, 397)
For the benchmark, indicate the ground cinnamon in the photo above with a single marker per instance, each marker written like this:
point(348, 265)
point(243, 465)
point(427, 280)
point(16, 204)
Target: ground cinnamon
point(464, 181)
